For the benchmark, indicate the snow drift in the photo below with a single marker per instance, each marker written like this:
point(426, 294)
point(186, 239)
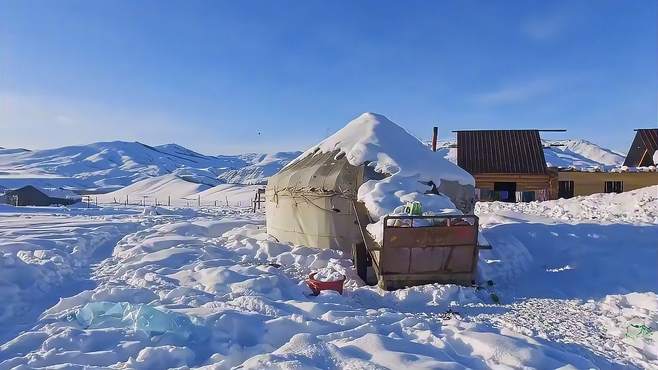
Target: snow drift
point(163, 188)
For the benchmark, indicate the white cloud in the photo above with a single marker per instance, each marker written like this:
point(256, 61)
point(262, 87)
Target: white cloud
point(518, 93)
point(43, 121)
point(545, 27)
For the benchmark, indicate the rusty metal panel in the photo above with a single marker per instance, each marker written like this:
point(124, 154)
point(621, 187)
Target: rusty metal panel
point(410, 237)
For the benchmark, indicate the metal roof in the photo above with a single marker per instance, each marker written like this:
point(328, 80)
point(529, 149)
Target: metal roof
point(642, 148)
point(500, 151)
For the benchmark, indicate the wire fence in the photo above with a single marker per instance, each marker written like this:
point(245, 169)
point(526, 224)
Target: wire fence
point(256, 202)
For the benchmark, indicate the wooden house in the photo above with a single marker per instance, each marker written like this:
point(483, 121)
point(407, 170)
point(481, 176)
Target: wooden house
point(639, 171)
point(508, 165)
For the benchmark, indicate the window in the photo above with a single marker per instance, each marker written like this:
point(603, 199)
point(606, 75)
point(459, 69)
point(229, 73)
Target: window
point(527, 196)
point(505, 191)
point(614, 187)
point(565, 189)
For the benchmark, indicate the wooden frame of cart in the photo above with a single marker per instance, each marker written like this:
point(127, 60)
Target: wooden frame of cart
point(443, 249)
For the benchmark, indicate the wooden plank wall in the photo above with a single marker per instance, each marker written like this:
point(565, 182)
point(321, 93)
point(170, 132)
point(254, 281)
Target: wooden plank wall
point(524, 181)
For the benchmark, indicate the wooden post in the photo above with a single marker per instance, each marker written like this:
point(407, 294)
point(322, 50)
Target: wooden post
point(198, 199)
point(226, 200)
point(168, 200)
point(126, 200)
point(435, 136)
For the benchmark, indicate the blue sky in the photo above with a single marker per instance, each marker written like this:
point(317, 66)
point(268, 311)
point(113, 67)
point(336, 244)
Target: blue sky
point(211, 75)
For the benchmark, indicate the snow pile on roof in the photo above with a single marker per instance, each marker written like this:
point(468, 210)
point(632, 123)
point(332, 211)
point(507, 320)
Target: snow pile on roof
point(389, 149)
point(59, 193)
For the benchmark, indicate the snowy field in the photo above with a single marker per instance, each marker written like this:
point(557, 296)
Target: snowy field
point(207, 288)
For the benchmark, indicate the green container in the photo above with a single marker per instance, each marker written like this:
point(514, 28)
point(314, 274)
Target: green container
point(413, 208)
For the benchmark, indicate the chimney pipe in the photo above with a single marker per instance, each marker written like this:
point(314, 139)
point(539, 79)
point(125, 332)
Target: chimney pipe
point(435, 134)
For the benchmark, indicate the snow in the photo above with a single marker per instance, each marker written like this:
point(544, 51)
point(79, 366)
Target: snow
point(655, 158)
point(236, 194)
point(391, 150)
point(108, 166)
point(637, 207)
point(43, 255)
point(577, 154)
point(261, 168)
point(572, 277)
point(580, 154)
point(59, 193)
point(180, 192)
point(161, 188)
point(328, 274)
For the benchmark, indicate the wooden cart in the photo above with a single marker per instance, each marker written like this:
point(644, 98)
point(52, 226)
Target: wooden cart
point(418, 250)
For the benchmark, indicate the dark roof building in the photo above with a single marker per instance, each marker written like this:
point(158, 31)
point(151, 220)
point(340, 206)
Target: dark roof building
point(501, 151)
point(642, 149)
point(31, 196)
point(508, 165)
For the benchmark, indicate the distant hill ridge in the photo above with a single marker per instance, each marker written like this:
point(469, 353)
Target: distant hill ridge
point(106, 166)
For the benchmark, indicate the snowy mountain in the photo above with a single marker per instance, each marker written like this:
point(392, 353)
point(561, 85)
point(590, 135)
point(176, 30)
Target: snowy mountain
point(579, 153)
point(107, 166)
point(261, 168)
point(567, 153)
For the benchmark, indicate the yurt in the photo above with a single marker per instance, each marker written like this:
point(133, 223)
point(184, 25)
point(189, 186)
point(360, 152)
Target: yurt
point(371, 160)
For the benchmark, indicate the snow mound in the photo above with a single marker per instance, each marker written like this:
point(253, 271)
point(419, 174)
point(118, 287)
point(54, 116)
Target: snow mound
point(637, 206)
point(389, 149)
point(328, 274)
point(234, 194)
point(162, 188)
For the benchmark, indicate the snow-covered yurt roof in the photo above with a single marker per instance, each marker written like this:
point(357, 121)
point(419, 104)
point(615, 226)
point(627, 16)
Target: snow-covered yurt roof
point(327, 172)
point(386, 148)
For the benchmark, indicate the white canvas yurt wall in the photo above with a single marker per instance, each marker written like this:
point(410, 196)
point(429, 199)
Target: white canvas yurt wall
point(309, 202)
